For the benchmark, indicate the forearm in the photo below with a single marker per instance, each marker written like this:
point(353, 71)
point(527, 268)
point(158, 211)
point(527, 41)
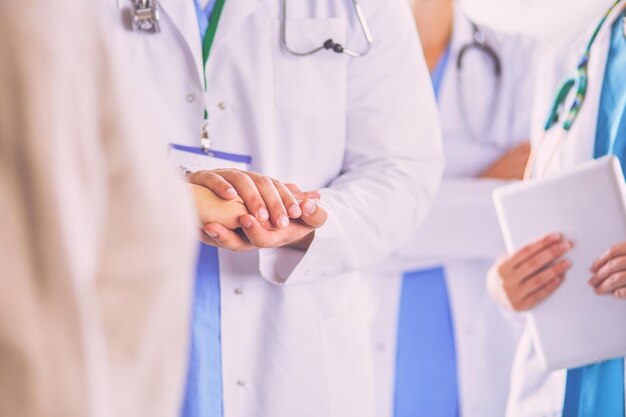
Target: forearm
point(369, 215)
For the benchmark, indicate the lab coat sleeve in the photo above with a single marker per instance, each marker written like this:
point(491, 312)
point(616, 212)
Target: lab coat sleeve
point(50, 220)
point(393, 159)
point(462, 225)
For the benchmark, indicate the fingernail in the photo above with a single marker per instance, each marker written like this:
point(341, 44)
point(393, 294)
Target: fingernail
point(294, 211)
point(262, 214)
point(565, 245)
point(231, 192)
point(555, 236)
point(283, 221)
point(211, 234)
point(246, 222)
point(309, 207)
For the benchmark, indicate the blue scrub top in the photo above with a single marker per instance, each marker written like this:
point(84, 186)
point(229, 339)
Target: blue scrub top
point(203, 394)
point(598, 390)
point(426, 374)
point(204, 390)
point(439, 72)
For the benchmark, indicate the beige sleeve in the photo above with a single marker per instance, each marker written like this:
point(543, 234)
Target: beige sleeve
point(95, 255)
point(50, 216)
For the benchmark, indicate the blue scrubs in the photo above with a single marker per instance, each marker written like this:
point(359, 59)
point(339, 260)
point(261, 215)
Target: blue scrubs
point(598, 390)
point(426, 372)
point(439, 72)
point(204, 391)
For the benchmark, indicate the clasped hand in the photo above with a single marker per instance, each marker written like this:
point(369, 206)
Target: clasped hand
point(242, 210)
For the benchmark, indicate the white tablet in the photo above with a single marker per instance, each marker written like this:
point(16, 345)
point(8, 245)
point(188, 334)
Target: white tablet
point(574, 326)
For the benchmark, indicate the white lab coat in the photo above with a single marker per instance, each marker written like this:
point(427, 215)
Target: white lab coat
point(295, 337)
point(461, 232)
point(535, 393)
point(98, 234)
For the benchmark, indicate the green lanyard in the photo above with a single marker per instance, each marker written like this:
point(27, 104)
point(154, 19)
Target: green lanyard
point(209, 37)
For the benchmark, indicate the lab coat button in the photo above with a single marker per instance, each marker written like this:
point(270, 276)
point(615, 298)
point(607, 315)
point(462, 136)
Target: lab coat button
point(191, 98)
point(241, 383)
point(221, 105)
point(381, 347)
point(239, 291)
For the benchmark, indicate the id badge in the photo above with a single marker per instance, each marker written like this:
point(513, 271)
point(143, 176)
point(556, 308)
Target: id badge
point(195, 159)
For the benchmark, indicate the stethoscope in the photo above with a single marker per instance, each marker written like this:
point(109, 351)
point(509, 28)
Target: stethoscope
point(479, 42)
point(558, 116)
point(329, 44)
point(145, 17)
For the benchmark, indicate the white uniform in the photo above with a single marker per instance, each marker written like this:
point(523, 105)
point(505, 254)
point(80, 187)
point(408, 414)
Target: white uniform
point(535, 393)
point(461, 233)
point(295, 338)
point(98, 238)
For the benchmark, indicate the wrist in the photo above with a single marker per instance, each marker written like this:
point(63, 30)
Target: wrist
point(304, 243)
point(494, 288)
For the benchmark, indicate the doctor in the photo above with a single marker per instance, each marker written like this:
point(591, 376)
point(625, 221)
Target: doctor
point(526, 278)
point(291, 315)
point(442, 347)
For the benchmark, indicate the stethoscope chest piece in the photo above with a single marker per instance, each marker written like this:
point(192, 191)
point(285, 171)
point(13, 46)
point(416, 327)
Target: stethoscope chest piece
point(144, 16)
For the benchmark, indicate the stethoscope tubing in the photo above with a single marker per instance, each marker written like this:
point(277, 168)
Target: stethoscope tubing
point(556, 111)
point(329, 44)
point(479, 42)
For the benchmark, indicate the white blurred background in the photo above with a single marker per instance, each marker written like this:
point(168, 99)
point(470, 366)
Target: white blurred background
point(542, 19)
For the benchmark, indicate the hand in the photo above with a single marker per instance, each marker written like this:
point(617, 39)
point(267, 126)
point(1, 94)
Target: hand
point(214, 209)
point(511, 165)
point(526, 278)
point(265, 197)
point(254, 234)
point(609, 272)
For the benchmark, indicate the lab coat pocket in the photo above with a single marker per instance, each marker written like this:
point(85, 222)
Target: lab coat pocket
point(349, 364)
point(314, 85)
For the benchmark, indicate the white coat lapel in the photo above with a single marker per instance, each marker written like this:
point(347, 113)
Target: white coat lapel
point(449, 94)
point(183, 16)
point(581, 140)
point(233, 15)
